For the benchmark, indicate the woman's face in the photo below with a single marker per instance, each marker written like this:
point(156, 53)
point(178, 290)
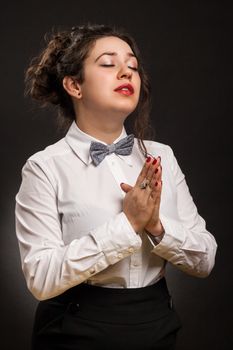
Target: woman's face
point(110, 64)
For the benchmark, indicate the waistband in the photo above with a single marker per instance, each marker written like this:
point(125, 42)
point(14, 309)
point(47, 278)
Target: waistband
point(127, 305)
point(106, 295)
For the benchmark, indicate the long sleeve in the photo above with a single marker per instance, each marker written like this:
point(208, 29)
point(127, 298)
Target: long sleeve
point(186, 242)
point(49, 265)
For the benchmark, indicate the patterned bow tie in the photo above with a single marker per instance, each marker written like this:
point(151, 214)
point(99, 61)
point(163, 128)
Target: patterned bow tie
point(98, 151)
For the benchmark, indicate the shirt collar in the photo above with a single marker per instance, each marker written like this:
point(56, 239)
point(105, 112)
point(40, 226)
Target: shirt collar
point(80, 143)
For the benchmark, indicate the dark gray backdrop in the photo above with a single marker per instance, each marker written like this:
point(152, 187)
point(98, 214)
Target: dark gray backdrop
point(187, 49)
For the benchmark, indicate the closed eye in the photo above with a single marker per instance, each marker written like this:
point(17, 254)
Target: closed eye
point(107, 65)
point(112, 65)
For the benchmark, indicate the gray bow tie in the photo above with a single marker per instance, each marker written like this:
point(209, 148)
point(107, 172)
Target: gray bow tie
point(98, 151)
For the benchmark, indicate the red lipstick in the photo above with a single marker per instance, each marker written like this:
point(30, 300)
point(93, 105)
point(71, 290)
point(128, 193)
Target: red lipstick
point(125, 89)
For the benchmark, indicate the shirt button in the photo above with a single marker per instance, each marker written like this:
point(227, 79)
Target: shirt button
point(135, 263)
point(120, 255)
point(131, 250)
point(92, 271)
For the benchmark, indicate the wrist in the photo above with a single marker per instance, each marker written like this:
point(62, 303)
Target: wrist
point(156, 229)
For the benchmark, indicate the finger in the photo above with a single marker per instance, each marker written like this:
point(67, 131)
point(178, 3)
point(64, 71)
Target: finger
point(153, 173)
point(157, 189)
point(148, 169)
point(154, 183)
point(125, 187)
point(154, 168)
point(158, 173)
point(144, 171)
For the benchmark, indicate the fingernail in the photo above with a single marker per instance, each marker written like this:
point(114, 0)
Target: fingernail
point(148, 159)
point(154, 161)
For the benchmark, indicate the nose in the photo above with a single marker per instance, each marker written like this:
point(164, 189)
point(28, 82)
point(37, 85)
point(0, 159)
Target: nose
point(124, 72)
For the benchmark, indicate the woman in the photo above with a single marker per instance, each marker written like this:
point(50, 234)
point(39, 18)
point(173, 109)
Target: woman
point(100, 212)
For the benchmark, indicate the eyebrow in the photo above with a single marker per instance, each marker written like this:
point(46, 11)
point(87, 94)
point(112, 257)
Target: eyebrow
point(130, 54)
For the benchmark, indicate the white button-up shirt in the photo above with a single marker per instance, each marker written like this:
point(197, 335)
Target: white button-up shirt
point(71, 228)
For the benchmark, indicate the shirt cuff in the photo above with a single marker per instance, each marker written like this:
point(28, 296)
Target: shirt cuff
point(117, 238)
point(174, 242)
point(155, 239)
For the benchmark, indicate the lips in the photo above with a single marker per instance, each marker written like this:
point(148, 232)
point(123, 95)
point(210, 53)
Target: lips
point(126, 89)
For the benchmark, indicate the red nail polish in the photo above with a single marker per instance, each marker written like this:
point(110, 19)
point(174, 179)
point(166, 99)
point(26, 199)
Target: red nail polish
point(148, 159)
point(156, 170)
point(154, 161)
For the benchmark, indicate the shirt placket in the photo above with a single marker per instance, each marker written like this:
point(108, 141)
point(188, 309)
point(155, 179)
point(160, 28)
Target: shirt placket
point(135, 258)
point(135, 270)
point(116, 171)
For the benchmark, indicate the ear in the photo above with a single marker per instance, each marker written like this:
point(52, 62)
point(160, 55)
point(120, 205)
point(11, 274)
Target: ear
point(72, 87)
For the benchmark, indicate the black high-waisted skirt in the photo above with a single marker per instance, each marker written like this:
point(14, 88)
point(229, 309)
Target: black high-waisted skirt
point(89, 317)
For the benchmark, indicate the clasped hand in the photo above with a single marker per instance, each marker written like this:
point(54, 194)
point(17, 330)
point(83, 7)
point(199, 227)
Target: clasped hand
point(141, 206)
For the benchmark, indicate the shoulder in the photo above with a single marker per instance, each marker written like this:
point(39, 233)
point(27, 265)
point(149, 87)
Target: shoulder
point(42, 164)
point(51, 152)
point(40, 171)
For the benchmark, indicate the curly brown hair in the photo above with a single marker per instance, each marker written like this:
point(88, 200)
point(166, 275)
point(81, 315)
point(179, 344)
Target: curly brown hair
point(64, 55)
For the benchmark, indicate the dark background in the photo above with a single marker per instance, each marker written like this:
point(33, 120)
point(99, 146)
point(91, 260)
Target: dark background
point(187, 49)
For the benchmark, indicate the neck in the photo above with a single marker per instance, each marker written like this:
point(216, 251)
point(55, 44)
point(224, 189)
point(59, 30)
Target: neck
point(106, 131)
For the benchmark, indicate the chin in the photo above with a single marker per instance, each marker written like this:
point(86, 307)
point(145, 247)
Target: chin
point(126, 107)
point(122, 113)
